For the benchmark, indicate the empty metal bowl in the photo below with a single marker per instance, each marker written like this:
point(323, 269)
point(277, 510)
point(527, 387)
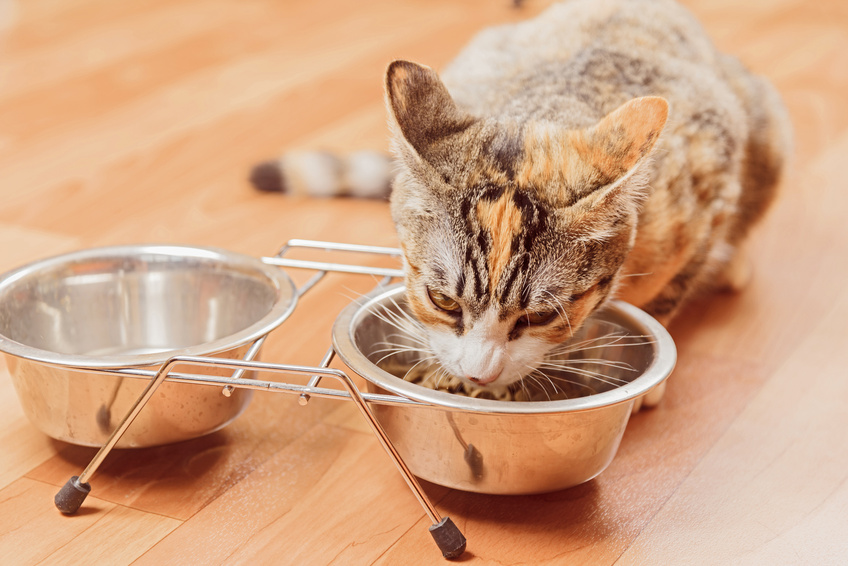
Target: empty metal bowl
point(512, 447)
point(133, 307)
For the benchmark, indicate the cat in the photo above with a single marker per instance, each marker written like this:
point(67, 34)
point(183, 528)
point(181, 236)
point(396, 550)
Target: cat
point(604, 149)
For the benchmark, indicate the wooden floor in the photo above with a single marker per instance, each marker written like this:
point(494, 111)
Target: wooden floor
point(137, 121)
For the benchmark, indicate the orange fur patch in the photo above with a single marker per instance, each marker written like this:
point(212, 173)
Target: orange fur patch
point(543, 162)
point(503, 221)
point(601, 153)
point(398, 84)
point(623, 137)
point(657, 263)
point(602, 161)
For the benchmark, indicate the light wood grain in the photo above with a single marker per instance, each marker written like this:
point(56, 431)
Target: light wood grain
point(786, 501)
point(138, 121)
point(43, 536)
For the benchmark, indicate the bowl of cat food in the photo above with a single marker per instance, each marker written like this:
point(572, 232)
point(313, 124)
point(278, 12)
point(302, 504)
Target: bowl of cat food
point(67, 321)
point(559, 427)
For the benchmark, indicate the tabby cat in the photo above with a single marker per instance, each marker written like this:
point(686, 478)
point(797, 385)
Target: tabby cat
point(603, 149)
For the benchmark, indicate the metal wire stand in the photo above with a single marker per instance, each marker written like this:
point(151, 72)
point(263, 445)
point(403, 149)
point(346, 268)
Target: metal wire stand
point(445, 533)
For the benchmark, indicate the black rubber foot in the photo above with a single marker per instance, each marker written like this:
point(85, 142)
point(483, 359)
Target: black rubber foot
point(71, 496)
point(451, 542)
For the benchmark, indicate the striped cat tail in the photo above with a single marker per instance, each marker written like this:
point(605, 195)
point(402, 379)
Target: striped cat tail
point(365, 174)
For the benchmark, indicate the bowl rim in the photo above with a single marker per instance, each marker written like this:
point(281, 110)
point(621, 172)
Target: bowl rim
point(665, 358)
point(284, 304)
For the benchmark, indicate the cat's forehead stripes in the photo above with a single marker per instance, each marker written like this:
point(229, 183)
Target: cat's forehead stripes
point(534, 223)
point(502, 224)
point(501, 218)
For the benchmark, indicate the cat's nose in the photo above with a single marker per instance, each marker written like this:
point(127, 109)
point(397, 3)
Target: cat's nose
point(482, 380)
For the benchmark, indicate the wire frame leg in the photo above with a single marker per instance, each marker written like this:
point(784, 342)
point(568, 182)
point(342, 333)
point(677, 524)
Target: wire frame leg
point(73, 493)
point(445, 533)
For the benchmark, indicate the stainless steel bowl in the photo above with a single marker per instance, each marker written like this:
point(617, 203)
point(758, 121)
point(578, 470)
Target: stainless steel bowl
point(511, 447)
point(133, 307)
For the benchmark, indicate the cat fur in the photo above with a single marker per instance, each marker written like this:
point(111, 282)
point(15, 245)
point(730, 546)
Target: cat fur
point(603, 149)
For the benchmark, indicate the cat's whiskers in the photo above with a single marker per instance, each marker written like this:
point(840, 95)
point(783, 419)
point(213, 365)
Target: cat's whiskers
point(614, 339)
point(396, 347)
point(395, 322)
point(442, 374)
point(408, 326)
point(354, 296)
point(415, 365)
point(625, 275)
point(522, 384)
point(396, 351)
point(560, 309)
point(405, 339)
point(552, 378)
point(569, 362)
point(603, 378)
point(411, 338)
point(534, 371)
point(532, 376)
point(398, 318)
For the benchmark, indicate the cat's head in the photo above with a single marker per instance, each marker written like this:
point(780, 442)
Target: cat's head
point(512, 232)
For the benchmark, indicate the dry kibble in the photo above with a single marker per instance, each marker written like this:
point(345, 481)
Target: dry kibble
point(432, 377)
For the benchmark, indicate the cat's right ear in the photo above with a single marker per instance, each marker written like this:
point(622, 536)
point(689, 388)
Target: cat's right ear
point(420, 106)
point(616, 144)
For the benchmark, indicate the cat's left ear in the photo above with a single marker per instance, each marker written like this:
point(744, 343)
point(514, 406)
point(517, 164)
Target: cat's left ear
point(614, 146)
point(421, 107)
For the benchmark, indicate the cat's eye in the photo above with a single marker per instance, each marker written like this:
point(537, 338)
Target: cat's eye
point(539, 318)
point(443, 302)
